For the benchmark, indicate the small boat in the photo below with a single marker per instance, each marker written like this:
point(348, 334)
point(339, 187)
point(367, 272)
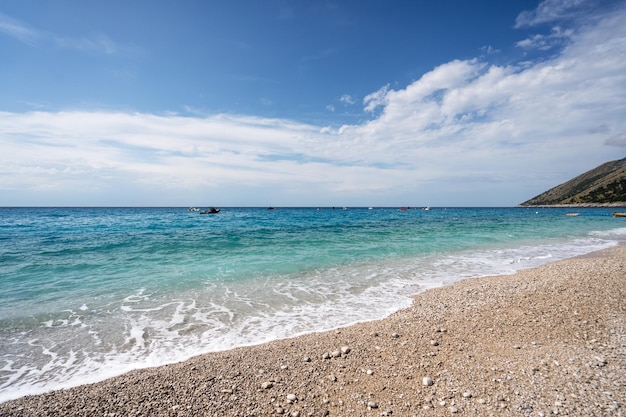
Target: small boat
point(210, 210)
point(194, 209)
point(616, 214)
point(572, 214)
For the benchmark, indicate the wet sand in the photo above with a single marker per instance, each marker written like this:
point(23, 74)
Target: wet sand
point(545, 341)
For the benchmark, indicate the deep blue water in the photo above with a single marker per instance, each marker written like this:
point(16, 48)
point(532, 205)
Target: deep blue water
point(87, 293)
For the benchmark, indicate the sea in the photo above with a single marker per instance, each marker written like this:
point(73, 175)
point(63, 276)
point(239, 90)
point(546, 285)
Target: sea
point(90, 293)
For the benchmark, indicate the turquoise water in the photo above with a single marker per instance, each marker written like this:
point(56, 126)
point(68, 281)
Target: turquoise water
point(88, 293)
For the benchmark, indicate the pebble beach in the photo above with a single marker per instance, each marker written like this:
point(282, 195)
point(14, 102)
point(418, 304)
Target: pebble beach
point(545, 341)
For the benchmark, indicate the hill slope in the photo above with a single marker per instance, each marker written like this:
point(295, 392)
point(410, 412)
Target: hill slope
point(605, 184)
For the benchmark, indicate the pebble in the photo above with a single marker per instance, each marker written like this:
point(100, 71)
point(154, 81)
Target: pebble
point(345, 350)
point(599, 362)
point(582, 381)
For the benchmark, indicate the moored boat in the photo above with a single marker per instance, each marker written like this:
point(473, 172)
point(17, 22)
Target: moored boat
point(616, 214)
point(210, 210)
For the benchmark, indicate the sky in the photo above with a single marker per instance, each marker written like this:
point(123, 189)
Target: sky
point(306, 102)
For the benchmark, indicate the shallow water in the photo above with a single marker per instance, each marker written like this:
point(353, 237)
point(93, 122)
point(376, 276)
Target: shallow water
point(88, 293)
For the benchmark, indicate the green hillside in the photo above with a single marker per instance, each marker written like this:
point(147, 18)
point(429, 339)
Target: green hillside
point(604, 185)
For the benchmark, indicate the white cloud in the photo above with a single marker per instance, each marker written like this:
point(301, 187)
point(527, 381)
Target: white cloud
point(488, 49)
point(553, 10)
point(34, 37)
point(376, 99)
point(546, 42)
point(19, 31)
point(347, 99)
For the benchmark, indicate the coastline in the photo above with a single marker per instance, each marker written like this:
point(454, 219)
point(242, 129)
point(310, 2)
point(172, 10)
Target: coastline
point(618, 204)
point(545, 340)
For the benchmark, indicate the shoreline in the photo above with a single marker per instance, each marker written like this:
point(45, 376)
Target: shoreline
point(618, 204)
point(547, 339)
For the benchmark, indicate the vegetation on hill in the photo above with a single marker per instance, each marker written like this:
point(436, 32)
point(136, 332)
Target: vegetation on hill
point(605, 184)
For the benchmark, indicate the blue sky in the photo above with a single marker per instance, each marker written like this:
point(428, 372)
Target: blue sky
point(306, 103)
